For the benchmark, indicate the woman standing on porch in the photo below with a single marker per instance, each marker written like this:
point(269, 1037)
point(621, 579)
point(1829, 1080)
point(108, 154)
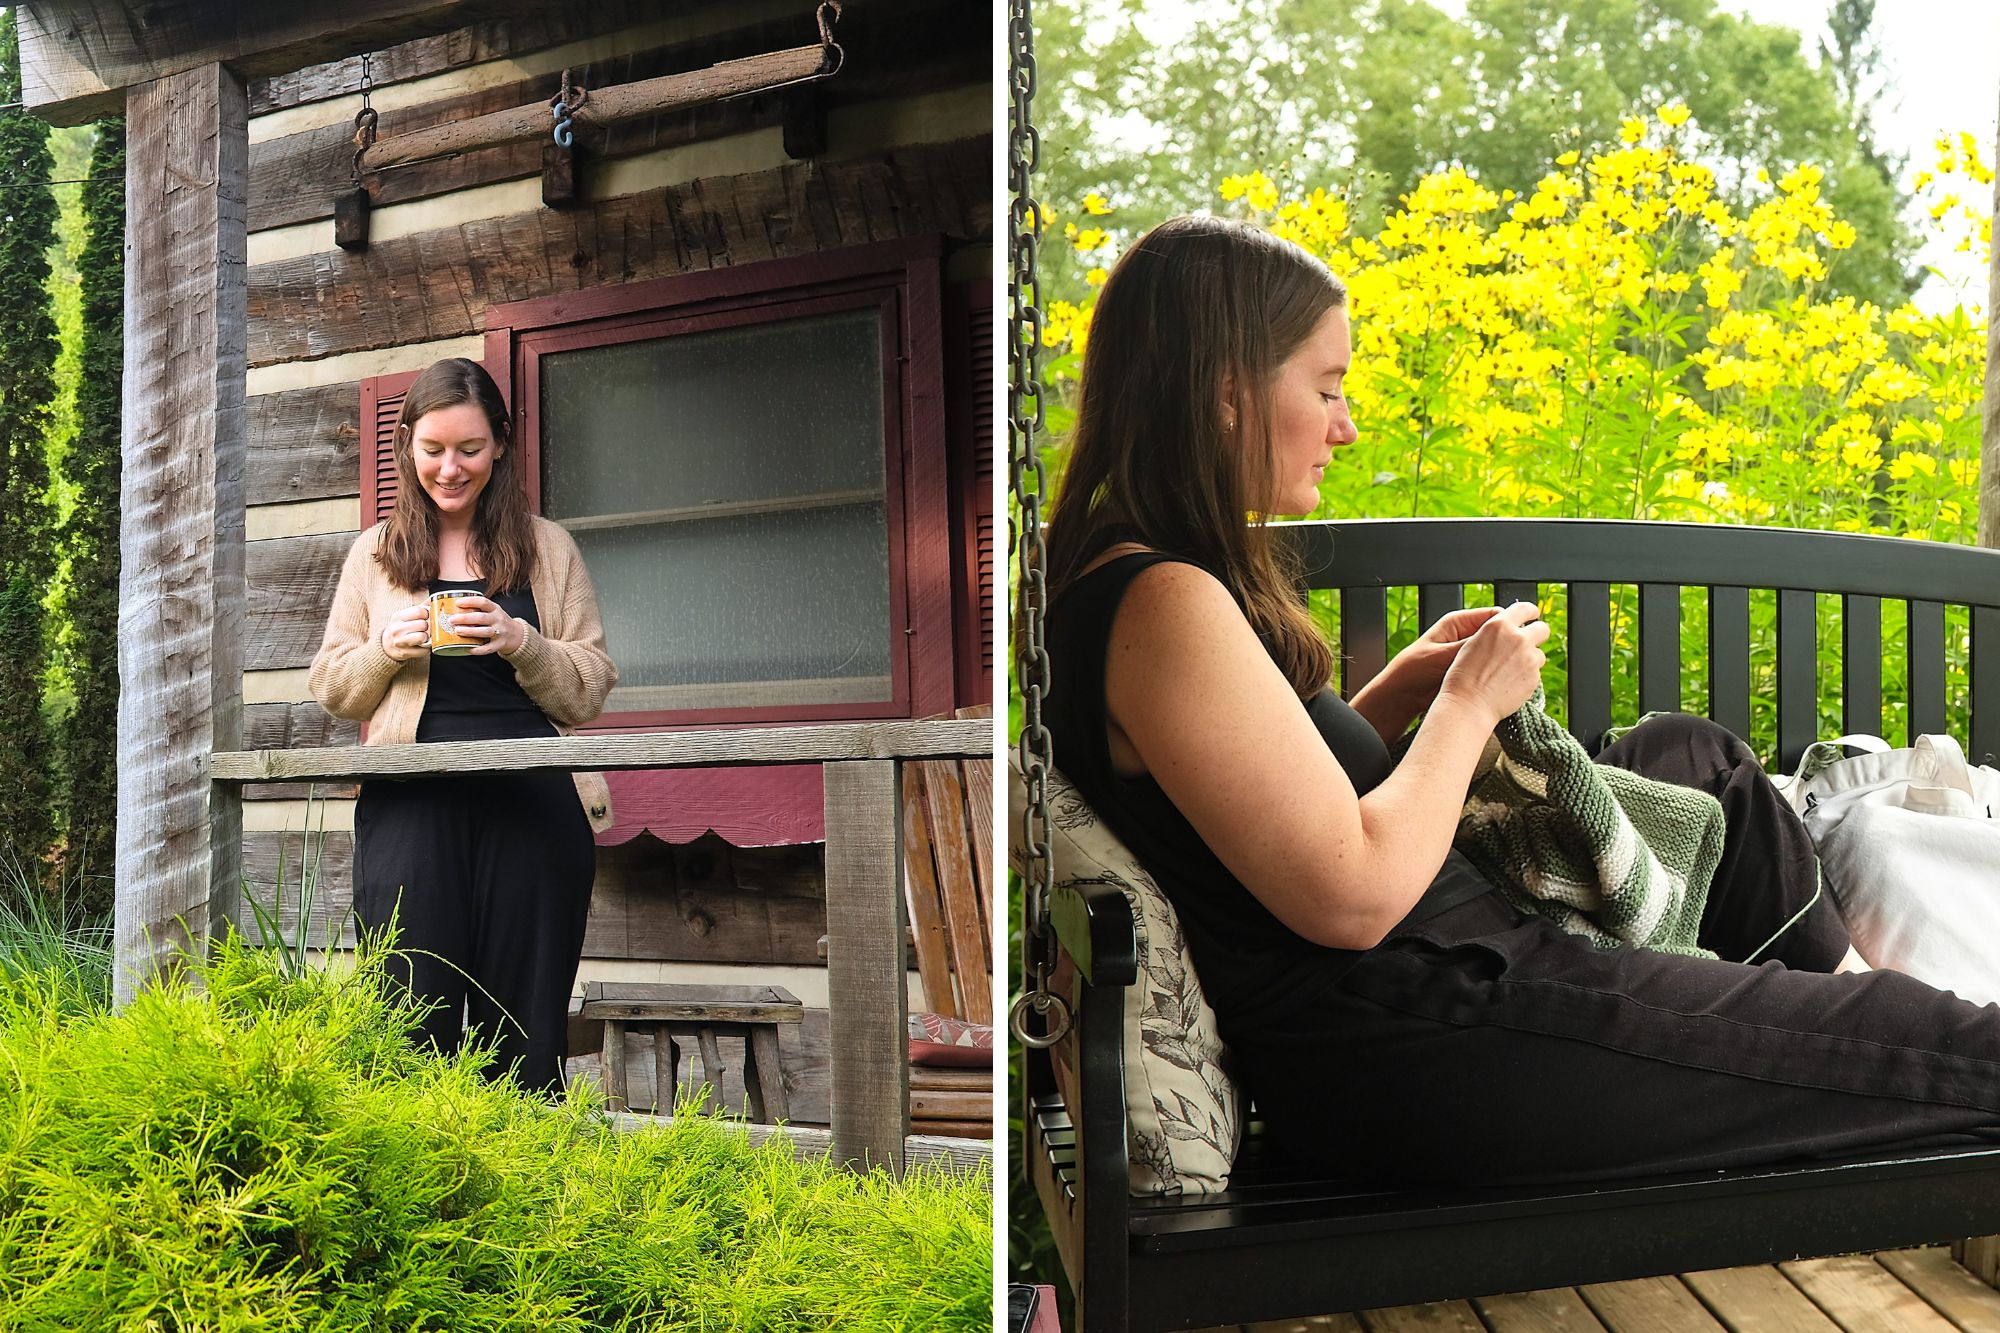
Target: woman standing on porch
point(486, 877)
point(1391, 1014)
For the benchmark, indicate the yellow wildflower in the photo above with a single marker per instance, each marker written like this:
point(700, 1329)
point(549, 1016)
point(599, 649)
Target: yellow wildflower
point(1095, 205)
point(1674, 115)
point(1633, 130)
point(1096, 277)
point(1907, 464)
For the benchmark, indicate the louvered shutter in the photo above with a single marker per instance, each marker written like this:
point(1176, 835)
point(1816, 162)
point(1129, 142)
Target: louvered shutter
point(381, 402)
point(971, 414)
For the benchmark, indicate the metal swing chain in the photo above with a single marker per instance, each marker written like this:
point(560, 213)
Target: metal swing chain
point(367, 118)
point(1029, 483)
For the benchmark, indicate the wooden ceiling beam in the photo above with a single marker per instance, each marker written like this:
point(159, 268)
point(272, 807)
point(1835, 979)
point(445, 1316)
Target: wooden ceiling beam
point(79, 56)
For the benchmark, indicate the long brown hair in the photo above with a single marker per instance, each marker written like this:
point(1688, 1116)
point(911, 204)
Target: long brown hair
point(503, 540)
point(1196, 305)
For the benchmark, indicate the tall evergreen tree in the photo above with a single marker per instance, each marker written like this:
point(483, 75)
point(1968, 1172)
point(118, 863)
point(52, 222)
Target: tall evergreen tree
point(28, 350)
point(89, 738)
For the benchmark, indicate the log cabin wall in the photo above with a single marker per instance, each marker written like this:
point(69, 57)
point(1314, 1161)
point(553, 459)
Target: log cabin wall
point(898, 145)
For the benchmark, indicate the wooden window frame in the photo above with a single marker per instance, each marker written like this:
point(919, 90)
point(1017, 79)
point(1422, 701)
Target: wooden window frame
point(900, 278)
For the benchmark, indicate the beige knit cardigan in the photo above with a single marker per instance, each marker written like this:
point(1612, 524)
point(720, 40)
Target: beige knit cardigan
point(564, 668)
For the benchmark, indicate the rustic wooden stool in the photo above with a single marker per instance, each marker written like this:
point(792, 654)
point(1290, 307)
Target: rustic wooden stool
point(701, 1014)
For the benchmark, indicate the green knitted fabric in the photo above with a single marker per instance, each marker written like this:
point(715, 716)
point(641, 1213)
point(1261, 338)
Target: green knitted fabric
point(1603, 852)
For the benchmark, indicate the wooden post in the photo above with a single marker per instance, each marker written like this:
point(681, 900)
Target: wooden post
point(180, 616)
point(865, 963)
point(1989, 447)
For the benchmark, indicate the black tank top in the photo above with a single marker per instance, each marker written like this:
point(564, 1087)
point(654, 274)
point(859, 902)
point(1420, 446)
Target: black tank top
point(1253, 968)
point(480, 698)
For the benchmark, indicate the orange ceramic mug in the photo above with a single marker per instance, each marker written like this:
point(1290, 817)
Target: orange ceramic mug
point(443, 605)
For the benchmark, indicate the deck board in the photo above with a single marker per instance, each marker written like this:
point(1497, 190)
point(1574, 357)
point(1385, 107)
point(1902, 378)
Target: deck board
point(1649, 1305)
point(1757, 1300)
point(1557, 1310)
point(1951, 1290)
point(1436, 1317)
point(1863, 1297)
point(1916, 1290)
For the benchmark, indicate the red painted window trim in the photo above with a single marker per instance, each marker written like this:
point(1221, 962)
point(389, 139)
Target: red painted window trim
point(903, 278)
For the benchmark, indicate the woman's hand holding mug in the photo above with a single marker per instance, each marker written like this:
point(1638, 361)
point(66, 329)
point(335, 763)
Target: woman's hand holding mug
point(481, 618)
point(407, 636)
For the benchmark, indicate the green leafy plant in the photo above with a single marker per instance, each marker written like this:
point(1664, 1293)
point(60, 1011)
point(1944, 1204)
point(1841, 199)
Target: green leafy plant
point(256, 1148)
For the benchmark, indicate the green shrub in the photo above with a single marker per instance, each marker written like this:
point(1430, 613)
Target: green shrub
point(263, 1149)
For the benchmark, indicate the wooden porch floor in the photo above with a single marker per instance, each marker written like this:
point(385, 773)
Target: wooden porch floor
point(1897, 1291)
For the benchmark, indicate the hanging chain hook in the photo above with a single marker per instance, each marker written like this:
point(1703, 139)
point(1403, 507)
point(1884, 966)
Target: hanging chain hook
point(827, 13)
point(565, 104)
point(367, 119)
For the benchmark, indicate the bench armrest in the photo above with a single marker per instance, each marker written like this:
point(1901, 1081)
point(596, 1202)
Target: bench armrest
point(1093, 922)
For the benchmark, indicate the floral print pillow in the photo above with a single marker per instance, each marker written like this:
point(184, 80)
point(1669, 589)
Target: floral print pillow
point(1184, 1111)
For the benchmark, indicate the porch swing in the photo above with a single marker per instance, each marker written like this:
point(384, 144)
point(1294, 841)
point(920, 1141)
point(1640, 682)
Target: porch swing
point(1261, 1240)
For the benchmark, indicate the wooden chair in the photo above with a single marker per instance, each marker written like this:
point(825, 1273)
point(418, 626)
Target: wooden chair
point(948, 858)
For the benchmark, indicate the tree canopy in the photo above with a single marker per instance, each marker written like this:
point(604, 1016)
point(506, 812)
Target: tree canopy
point(1365, 97)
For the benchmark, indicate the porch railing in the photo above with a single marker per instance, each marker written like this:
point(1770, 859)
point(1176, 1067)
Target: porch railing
point(865, 913)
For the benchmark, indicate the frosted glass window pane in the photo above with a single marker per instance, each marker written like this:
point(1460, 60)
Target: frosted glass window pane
point(727, 491)
point(786, 408)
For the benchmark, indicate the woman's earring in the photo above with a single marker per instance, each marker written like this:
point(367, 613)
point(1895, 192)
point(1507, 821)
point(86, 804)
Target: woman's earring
point(1229, 424)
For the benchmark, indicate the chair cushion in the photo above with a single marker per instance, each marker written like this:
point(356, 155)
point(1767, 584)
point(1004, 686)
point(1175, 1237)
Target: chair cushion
point(1184, 1111)
point(942, 1041)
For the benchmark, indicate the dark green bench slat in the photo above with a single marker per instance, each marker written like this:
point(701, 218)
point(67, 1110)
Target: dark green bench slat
point(1926, 658)
point(1436, 600)
point(1412, 552)
point(1509, 591)
point(1659, 648)
point(1985, 680)
point(1861, 665)
point(1589, 661)
point(1364, 636)
point(1729, 659)
point(1798, 692)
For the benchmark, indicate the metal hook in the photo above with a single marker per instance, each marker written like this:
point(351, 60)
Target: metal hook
point(365, 122)
point(567, 102)
point(827, 13)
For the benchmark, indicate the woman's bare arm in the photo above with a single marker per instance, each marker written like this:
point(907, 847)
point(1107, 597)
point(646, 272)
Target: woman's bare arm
point(1207, 713)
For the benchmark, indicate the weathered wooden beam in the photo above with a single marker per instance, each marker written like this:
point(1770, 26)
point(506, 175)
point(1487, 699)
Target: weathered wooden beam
point(823, 743)
point(865, 964)
point(180, 622)
point(532, 28)
point(604, 106)
point(78, 57)
point(439, 284)
point(286, 576)
point(295, 178)
point(304, 444)
point(1989, 446)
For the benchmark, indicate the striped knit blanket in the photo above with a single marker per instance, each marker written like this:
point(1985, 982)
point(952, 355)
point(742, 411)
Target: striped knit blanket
point(1603, 852)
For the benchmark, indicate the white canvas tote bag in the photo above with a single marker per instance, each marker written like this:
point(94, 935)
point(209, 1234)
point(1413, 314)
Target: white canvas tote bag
point(1910, 849)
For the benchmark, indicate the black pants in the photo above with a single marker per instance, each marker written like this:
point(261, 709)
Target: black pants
point(488, 878)
point(1484, 1046)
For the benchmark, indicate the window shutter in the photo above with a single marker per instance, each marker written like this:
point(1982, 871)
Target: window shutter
point(971, 407)
point(381, 401)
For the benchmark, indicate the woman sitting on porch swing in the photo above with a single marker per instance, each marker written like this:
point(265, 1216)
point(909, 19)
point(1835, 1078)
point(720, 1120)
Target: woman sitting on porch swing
point(1392, 1015)
point(486, 877)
